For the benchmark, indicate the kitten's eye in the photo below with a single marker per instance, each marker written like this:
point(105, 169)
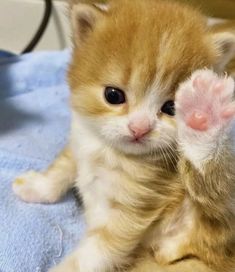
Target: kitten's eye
point(114, 96)
point(169, 108)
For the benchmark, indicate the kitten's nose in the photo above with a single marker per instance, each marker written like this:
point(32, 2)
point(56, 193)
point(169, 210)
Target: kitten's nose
point(140, 126)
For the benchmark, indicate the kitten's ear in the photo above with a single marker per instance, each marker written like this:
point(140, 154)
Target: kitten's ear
point(84, 19)
point(225, 46)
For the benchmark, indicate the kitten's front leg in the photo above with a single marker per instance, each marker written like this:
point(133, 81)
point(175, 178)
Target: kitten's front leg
point(48, 186)
point(205, 110)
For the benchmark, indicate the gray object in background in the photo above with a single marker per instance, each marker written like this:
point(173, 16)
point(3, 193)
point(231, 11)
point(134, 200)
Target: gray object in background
point(19, 20)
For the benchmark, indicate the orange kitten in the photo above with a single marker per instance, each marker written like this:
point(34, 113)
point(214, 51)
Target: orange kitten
point(158, 189)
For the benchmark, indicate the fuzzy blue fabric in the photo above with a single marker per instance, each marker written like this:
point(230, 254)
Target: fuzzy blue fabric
point(34, 123)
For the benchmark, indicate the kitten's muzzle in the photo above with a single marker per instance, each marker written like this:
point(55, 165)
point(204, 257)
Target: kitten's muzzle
point(139, 127)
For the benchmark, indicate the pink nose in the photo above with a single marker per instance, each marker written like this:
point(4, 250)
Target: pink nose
point(139, 127)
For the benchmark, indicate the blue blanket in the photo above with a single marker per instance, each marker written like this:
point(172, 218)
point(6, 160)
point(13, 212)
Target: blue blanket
point(34, 122)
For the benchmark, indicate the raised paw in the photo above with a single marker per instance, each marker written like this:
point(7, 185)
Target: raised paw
point(204, 111)
point(205, 101)
point(34, 187)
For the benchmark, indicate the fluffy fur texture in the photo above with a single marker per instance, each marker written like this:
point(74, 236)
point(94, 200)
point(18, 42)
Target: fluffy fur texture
point(226, 26)
point(164, 202)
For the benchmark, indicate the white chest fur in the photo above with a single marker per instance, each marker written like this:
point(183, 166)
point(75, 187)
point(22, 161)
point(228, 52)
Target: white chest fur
point(96, 183)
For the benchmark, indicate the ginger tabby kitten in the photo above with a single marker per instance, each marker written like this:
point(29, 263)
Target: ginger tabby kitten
point(157, 181)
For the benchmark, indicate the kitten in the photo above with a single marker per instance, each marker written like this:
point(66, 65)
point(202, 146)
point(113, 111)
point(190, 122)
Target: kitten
point(158, 189)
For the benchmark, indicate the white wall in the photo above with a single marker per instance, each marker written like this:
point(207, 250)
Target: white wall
point(19, 20)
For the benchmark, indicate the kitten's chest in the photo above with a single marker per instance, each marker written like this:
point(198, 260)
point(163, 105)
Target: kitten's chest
point(97, 185)
point(98, 188)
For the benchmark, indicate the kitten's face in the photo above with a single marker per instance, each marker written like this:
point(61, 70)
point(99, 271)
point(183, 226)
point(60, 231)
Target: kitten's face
point(124, 77)
point(131, 123)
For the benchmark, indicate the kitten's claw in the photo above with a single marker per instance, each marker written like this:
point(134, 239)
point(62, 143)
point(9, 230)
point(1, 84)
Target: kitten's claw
point(33, 187)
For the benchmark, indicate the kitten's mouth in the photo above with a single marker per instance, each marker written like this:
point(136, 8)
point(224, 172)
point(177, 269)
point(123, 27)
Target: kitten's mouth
point(137, 140)
point(137, 146)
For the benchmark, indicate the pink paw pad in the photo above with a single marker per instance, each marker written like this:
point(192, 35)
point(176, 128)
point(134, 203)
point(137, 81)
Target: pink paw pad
point(228, 113)
point(198, 121)
point(199, 84)
point(206, 100)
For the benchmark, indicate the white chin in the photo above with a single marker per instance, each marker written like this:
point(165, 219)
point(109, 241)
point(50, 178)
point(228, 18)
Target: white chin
point(134, 148)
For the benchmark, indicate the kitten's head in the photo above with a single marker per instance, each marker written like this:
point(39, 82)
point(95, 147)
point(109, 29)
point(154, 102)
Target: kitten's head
point(128, 60)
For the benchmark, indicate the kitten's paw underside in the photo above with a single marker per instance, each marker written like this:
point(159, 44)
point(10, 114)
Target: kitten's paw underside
point(34, 187)
point(206, 101)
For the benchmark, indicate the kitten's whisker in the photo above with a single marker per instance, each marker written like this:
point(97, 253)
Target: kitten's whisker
point(170, 153)
point(164, 156)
